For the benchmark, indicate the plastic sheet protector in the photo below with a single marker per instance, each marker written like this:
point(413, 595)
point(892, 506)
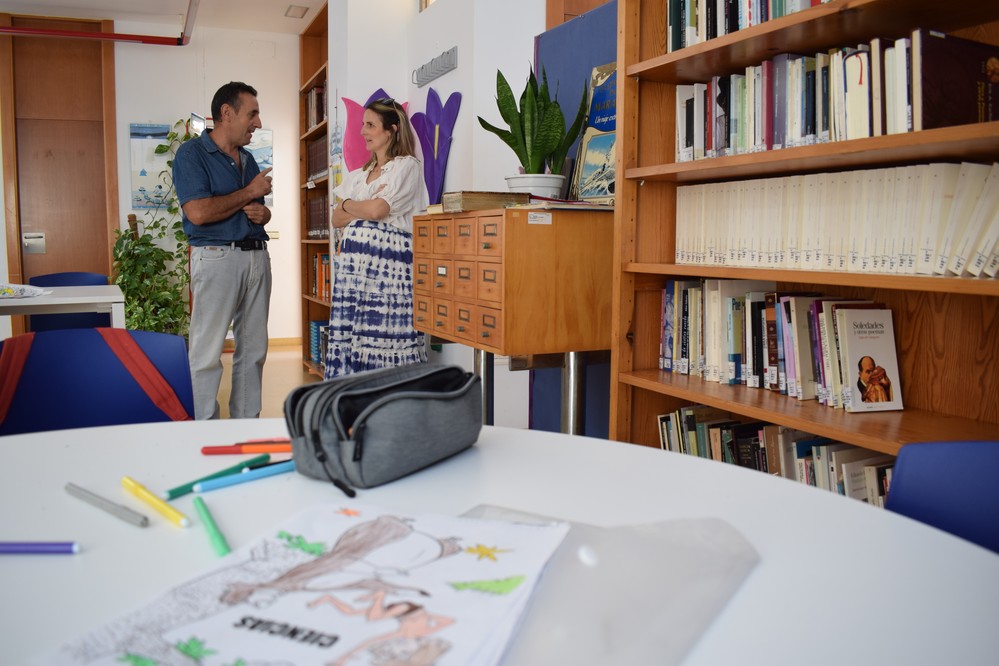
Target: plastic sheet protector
point(637, 594)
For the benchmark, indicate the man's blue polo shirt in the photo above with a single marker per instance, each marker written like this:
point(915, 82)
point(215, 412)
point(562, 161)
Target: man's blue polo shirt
point(201, 170)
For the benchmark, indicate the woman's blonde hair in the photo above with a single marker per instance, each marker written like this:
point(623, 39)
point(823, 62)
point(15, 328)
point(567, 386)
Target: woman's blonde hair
point(392, 114)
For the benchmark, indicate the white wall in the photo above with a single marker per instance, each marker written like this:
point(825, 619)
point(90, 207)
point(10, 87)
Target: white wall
point(161, 84)
point(490, 36)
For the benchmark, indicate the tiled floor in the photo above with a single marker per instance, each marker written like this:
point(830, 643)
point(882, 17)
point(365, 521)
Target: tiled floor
point(283, 371)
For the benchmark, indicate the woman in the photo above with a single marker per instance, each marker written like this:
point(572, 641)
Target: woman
point(371, 318)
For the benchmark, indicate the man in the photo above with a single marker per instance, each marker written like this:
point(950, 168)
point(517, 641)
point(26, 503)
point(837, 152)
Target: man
point(221, 192)
point(872, 381)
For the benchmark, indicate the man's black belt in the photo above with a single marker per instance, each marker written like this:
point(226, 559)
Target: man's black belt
point(249, 244)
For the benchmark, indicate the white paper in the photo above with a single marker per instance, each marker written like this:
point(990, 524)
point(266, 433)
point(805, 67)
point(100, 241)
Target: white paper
point(342, 583)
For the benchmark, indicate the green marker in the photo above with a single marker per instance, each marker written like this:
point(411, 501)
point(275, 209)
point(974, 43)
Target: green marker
point(256, 461)
point(216, 537)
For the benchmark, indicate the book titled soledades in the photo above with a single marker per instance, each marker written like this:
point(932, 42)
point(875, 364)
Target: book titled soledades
point(869, 326)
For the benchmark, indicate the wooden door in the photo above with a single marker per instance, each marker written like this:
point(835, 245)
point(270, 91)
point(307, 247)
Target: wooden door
point(63, 151)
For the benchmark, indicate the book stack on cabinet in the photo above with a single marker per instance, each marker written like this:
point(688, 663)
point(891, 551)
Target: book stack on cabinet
point(946, 324)
point(314, 184)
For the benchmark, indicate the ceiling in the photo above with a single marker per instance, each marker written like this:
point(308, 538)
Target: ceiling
point(257, 15)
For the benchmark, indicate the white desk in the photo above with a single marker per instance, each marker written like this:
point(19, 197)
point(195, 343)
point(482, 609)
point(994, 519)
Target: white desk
point(94, 298)
point(838, 582)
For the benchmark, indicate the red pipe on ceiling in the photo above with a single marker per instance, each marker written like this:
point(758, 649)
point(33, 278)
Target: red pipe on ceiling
point(183, 40)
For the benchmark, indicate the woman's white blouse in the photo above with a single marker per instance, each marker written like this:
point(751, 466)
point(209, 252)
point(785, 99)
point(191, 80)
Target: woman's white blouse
point(403, 191)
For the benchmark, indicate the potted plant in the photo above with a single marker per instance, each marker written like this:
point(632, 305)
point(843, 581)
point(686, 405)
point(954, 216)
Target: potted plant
point(150, 260)
point(536, 132)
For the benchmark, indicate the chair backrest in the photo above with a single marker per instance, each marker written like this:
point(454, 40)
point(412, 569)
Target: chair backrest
point(50, 322)
point(72, 378)
point(950, 485)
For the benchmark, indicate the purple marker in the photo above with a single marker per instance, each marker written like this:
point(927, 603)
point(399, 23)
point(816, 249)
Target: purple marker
point(39, 548)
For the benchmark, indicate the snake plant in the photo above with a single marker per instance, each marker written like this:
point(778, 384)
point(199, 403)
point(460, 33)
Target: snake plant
point(536, 130)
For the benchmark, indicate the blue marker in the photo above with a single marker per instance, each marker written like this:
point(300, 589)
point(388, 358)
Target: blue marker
point(248, 475)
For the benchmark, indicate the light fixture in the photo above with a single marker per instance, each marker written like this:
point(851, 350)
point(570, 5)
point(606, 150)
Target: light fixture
point(296, 11)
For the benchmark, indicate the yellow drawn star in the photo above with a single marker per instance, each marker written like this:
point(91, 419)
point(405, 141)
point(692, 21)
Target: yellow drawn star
point(353, 513)
point(485, 551)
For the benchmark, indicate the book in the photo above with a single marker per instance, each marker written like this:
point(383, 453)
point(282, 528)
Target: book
point(743, 442)
point(868, 358)
point(770, 331)
point(593, 176)
point(968, 189)
point(720, 90)
point(857, 82)
point(755, 342)
point(878, 110)
point(663, 421)
point(985, 211)
point(667, 332)
point(824, 470)
point(955, 81)
point(457, 202)
point(715, 448)
point(689, 417)
point(902, 86)
point(770, 434)
point(802, 337)
point(854, 480)
point(735, 338)
point(716, 317)
point(704, 446)
point(874, 482)
point(804, 457)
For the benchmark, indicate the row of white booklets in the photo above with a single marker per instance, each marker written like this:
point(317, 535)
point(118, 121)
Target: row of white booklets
point(838, 351)
point(886, 86)
point(927, 219)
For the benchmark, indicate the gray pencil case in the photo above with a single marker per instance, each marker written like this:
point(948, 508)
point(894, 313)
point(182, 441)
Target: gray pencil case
point(369, 428)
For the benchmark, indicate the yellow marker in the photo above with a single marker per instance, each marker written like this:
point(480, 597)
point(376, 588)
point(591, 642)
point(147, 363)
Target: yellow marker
point(172, 514)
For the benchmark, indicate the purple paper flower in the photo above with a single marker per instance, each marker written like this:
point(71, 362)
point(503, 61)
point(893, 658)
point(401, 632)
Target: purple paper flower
point(434, 129)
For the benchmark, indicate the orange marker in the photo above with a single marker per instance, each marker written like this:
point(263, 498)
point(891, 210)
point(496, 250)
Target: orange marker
point(246, 448)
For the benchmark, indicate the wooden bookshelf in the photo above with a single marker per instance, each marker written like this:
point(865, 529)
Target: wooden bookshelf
point(313, 73)
point(947, 328)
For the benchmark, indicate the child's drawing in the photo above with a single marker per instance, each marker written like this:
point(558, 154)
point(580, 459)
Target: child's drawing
point(392, 589)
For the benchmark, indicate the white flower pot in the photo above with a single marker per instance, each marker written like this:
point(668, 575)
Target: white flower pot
point(538, 184)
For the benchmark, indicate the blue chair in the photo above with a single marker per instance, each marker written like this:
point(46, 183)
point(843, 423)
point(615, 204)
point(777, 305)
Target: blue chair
point(951, 486)
point(72, 378)
point(50, 322)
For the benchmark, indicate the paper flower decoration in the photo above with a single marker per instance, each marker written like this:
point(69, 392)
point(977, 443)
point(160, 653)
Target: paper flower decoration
point(354, 153)
point(434, 129)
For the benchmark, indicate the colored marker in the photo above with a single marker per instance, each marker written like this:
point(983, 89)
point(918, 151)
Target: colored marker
point(140, 491)
point(245, 448)
point(249, 475)
point(179, 491)
point(214, 534)
point(39, 548)
point(267, 440)
point(119, 510)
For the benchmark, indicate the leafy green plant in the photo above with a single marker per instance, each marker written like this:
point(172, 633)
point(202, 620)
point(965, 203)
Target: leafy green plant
point(150, 260)
point(536, 129)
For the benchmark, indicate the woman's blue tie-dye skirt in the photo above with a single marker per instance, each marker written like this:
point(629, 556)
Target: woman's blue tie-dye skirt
point(371, 317)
